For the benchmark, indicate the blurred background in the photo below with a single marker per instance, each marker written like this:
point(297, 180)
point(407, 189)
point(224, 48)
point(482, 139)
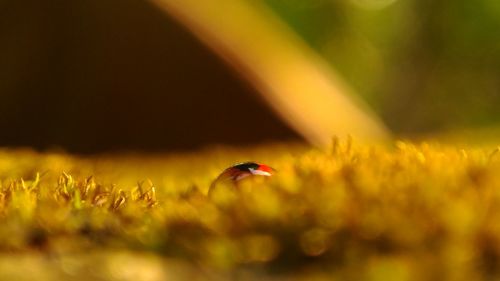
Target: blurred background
point(98, 76)
point(423, 65)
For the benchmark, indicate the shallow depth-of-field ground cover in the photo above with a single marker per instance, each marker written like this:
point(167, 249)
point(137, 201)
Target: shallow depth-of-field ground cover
point(353, 212)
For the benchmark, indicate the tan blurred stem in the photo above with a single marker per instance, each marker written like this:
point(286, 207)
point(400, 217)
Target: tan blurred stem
point(290, 76)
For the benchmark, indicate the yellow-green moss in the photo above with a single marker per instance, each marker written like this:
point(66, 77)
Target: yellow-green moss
point(353, 212)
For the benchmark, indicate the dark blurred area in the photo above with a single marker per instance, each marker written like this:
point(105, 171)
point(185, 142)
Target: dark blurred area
point(99, 76)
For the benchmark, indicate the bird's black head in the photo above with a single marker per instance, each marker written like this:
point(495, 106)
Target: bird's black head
point(246, 166)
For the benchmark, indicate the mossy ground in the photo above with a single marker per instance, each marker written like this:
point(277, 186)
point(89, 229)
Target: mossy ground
point(352, 212)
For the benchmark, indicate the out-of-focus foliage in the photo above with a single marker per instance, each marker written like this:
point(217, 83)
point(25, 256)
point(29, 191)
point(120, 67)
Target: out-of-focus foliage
point(354, 212)
point(423, 65)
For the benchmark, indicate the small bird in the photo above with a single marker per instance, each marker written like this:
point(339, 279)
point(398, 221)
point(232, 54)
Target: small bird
point(240, 171)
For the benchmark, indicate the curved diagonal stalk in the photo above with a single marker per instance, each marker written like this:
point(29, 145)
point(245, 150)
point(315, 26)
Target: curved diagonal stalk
point(290, 76)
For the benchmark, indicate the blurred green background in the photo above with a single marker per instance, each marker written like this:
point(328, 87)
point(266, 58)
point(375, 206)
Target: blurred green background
point(92, 76)
point(423, 65)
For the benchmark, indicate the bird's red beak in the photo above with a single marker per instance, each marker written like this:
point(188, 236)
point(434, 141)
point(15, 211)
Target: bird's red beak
point(266, 168)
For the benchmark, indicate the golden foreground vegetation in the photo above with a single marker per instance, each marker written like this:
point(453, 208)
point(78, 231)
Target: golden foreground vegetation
point(353, 212)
